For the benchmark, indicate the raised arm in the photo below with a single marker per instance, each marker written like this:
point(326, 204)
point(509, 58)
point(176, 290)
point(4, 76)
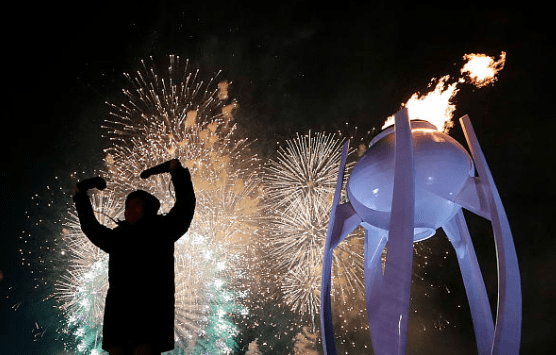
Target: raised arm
point(181, 214)
point(97, 233)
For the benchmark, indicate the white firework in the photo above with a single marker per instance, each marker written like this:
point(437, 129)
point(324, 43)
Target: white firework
point(299, 188)
point(81, 288)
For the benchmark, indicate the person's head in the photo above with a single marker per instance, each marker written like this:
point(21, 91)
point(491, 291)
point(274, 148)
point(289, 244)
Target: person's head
point(140, 204)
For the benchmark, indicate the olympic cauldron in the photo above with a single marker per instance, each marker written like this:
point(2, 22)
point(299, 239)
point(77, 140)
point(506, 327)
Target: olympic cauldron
point(441, 168)
point(413, 180)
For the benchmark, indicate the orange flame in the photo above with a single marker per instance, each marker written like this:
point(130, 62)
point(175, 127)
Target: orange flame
point(482, 69)
point(436, 106)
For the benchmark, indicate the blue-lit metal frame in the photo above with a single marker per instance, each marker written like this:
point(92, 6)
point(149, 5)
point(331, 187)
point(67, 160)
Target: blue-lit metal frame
point(388, 294)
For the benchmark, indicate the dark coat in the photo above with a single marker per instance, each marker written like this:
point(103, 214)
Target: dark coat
point(140, 300)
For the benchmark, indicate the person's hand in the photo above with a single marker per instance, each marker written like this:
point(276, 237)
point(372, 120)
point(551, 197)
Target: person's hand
point(174, 164)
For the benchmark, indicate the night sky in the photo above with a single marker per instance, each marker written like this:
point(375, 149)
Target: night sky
point(294, 66)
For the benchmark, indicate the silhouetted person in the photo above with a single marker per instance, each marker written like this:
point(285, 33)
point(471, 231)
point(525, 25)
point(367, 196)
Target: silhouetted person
point(139, 313)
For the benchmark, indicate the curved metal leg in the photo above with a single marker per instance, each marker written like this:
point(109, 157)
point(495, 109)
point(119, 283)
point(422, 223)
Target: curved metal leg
point(342, 226)
point(457, 232)
point(343, 221)
point(375, 241)
point(327, 327)
point(390, 319)
point(507, 333)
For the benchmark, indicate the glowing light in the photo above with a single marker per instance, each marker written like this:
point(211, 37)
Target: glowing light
point(81, 285)
point(436, 105)
point(298, 189)
point(481, 70)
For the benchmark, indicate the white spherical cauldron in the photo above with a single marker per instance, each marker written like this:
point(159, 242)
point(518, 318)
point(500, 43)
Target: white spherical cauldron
point(441, 167)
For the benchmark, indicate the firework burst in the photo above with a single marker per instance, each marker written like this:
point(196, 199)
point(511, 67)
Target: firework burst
point(82, 286)
point(299, 187)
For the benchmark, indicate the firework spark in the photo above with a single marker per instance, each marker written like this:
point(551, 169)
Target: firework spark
point(305, 172)
point(87, 264)
point(299, 187)
point(82, 286)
